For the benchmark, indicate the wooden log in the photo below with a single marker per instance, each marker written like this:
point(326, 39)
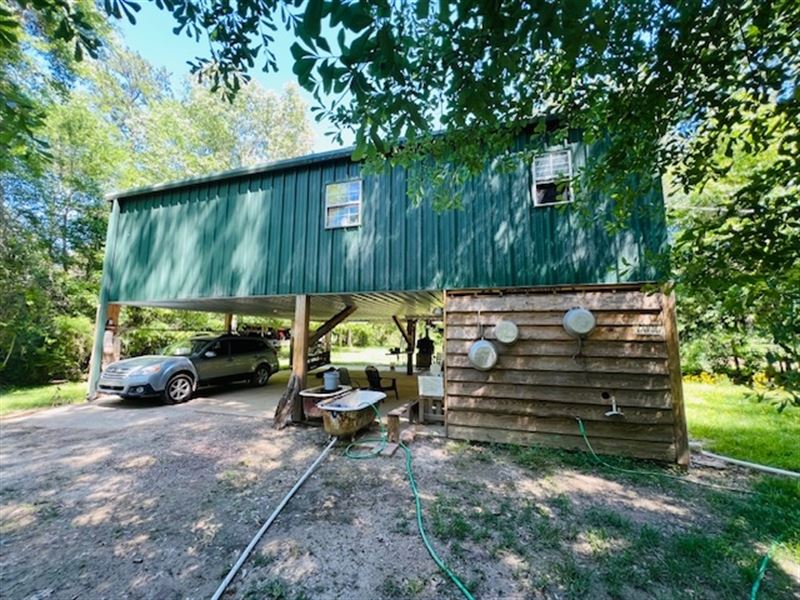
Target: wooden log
point(660, 451)
point(604, 318)
point(564, 364)
point(538, 408)
point(627, 300)
point(487, 392)
point(604, 381)
point(617, 430)
point(286, 405)
point(676, 381)
point(556, 333)
point(590, 348)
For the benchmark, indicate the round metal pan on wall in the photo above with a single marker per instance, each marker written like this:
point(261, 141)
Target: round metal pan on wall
point(482, 355)
point(506, 332)
point(579, 322)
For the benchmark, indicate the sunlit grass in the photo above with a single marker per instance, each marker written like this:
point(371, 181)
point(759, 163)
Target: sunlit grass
point(41, 396)
point(730, 423)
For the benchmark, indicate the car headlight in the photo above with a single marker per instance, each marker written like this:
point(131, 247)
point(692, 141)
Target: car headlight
point(148, 370)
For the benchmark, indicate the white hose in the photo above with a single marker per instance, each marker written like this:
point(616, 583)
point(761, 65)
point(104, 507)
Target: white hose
point(246, 552)
point(756, 466)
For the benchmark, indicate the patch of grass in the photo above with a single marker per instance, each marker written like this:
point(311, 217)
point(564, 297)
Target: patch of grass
point(41, 396)
point(273, 589)
point(730, 423)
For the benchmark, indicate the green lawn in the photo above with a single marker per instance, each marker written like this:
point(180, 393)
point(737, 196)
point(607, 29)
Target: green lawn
point(41, 396)
point(727, 422)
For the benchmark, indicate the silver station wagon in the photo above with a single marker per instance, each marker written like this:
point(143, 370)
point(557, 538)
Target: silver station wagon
point(176, 374)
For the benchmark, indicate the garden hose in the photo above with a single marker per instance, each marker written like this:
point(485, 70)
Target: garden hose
point(417, 501)
point(582, 429)
point(762, 569)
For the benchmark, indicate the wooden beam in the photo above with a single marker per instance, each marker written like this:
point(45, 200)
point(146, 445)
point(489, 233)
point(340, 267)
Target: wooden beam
point(411, 325)
point(676, 382)
point(328, 325)
point(402, 329)
point(228, 322)
point(290, 407)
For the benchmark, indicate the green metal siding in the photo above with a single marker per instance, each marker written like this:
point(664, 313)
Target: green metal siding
point(262, 233)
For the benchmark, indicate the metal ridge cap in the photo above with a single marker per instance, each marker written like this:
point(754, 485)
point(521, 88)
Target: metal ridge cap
point(285, 163)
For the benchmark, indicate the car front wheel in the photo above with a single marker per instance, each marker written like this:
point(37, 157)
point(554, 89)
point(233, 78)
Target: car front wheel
point(261, 375)
point(179, 389)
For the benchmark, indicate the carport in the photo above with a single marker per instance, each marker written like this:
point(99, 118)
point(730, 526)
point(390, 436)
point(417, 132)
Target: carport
point(317, 239)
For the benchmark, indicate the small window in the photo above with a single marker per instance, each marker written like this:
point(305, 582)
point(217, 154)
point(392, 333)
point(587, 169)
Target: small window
point(552, 173)
point(343, 204)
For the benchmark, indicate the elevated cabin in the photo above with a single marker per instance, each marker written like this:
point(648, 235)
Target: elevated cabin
point(313, 237)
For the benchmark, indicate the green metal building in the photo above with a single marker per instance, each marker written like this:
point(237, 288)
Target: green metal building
point(256, 240)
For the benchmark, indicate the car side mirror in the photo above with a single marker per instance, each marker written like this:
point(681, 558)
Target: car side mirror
point(210, 354)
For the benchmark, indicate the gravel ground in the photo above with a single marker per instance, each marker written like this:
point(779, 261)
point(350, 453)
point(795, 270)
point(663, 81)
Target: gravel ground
point(161, 508)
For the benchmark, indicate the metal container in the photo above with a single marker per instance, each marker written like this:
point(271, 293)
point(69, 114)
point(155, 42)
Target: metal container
point(482, 355)
point(347, 414)
point(331, 380)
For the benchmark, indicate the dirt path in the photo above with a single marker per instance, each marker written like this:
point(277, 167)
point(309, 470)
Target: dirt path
point(161, 509)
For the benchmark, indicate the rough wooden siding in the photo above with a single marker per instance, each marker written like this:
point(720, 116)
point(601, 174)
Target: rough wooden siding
point(541, 385)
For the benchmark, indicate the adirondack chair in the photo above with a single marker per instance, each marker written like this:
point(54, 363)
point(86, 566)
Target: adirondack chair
point(375, 381)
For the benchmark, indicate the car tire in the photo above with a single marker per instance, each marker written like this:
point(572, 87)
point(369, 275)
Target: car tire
point(179, 389)
point(261, 375)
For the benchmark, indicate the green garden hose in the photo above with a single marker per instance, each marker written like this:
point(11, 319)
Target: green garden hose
point(762, 568)
point(582, 429)
point(417, 502)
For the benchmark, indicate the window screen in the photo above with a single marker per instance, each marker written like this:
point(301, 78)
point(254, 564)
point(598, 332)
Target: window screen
point(343, 204)
point(551, 176)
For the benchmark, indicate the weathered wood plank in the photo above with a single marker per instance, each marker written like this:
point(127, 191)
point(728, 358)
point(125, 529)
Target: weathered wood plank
point(605, 381)
point(537, 408)
point(557, 333)
point(659, 399)
point(618, 430)
point(629, 300)
point(660, 451)
point(676, 382)
point(557, 348)
point(604, 318)
point(568, 364)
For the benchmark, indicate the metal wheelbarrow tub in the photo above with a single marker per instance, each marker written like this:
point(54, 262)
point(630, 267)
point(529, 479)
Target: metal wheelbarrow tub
point(348, 413)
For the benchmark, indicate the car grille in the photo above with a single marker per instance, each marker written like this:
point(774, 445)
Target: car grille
point(113, 372)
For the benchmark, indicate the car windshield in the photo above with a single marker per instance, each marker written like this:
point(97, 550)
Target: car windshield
point(185, 347)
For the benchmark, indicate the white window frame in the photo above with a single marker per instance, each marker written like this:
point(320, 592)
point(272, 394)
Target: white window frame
point(358, 203)
point(551, 152)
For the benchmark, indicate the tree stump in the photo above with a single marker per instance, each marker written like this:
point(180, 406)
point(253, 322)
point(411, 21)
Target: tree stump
point(285, 408)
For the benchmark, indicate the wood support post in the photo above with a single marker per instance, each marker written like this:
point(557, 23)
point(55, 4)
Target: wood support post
point(230, 322)
point(675, 380)
point(329, 325)
point(411, 326)
point(290, 407)
point(111, 343)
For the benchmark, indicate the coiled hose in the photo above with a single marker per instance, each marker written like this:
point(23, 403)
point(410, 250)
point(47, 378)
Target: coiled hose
point(348, 452)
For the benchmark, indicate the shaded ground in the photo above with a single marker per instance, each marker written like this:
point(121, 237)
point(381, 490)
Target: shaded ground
point(145, 501)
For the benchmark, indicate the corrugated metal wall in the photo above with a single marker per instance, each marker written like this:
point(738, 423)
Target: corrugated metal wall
point(264, 234)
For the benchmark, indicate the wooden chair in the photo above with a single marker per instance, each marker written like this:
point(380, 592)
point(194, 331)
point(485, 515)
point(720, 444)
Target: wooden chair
point(375, 382)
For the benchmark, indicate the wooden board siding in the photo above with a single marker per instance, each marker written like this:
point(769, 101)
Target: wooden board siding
point(542, 383)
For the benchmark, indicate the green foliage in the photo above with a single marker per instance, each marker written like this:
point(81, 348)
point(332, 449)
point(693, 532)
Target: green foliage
point(117, 124)
point(736, 258)
point(67, 347)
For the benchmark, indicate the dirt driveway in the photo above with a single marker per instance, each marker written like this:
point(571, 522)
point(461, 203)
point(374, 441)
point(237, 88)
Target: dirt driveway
point(145, 501)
